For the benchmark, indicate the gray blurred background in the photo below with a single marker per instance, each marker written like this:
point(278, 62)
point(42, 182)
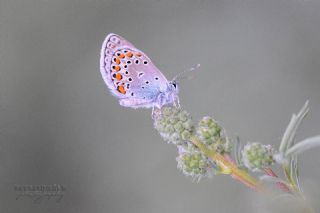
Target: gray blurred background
point(260, 61)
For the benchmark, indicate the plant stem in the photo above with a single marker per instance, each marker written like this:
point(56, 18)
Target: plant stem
point(228, 167)
point(282, 186)
point(290, 180)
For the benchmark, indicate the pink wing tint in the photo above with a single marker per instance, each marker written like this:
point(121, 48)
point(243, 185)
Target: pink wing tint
point(111, 43)
point(129, 73)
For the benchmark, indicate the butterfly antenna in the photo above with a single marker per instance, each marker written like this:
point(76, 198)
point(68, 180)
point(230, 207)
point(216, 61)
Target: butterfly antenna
point(180, 75)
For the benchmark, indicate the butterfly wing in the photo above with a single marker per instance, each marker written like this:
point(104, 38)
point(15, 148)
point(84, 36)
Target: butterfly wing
point(129, 73)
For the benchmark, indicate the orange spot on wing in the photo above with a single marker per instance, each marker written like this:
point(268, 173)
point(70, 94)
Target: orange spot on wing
point(129, 54)
point(138, 54)
point(117, 61)
point(118, 76)
point(121, 55)
point(121, 89)
point(116, 68)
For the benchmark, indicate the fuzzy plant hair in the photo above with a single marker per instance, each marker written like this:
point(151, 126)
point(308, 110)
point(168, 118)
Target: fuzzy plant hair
point(205, 150)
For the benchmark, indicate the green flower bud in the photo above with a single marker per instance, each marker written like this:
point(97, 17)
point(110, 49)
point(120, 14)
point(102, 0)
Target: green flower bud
point(193, 163)
point(173, 124)
point(256, 156)
point(211, 134)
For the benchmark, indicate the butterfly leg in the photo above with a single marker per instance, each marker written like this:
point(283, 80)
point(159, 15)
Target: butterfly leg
point(152, 113)
point(176, 103)
point(155, 112)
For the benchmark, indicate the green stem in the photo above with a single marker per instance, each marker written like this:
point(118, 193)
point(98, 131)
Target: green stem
point(290, 180)
point(228, 167)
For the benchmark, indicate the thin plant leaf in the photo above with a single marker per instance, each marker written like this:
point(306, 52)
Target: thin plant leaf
point(295, 172)
point(304, 145)
point(286, 135)
point(237, 151)
point(301, 115)
point(289, 134)
point(289, 165)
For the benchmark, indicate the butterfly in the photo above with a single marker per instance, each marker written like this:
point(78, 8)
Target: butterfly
point(132, 77)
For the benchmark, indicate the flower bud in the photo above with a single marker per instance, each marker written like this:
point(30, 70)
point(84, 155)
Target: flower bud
point(256, 156)
point(211, 134)
point(173, 124)
point(193, 163)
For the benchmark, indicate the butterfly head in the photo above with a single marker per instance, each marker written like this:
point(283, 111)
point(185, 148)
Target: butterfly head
point(169, 96)
point(173, 86)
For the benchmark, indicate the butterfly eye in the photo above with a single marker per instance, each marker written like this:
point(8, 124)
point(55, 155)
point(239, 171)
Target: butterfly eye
point(175, 85)
point(145, 62)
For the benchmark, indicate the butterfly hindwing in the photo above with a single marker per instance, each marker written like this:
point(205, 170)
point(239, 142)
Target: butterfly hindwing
point(129, 73)
point(111, 43)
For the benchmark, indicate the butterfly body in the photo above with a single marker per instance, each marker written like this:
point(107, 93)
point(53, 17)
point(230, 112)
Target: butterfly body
point(132, 77)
